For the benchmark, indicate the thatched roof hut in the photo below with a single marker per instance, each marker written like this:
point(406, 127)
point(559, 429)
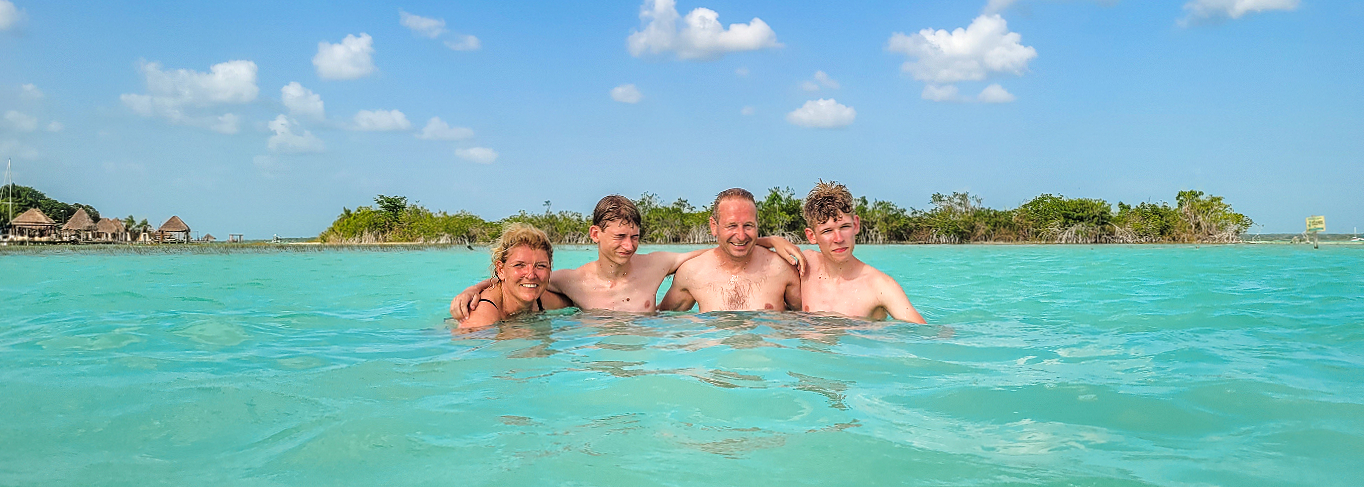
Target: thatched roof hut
point(174, 229)
point(111, 229)
point(80, 222)
point(33, 218)
point(32, 223)
point(209, 238)
point(110, 225)
point(174, 224)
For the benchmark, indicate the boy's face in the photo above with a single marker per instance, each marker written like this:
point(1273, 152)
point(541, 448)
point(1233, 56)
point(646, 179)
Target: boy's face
point(616, 241)
point(835, 236)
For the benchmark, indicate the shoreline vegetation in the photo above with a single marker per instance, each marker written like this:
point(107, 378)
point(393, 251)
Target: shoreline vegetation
point(952, 219)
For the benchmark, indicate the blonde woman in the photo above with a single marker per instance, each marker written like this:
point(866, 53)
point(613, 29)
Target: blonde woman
point(522, 259)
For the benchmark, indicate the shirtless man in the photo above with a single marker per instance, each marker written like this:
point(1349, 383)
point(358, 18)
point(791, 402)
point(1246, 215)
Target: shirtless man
point(732, 276)
point(620, 279)
point(838, 282)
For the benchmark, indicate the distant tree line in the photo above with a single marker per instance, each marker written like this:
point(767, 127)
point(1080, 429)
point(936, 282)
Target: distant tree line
point(24, 198)
point(956, 218)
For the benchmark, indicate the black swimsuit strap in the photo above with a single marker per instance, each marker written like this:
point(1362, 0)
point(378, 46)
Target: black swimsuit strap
point(538, 304)
point(489, 302)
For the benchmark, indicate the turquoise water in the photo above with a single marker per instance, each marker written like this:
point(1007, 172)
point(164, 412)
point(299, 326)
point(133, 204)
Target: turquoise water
point(1063, 365)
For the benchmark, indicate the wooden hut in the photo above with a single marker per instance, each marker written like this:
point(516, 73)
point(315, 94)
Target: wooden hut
point(174, 230)
point(33, 225)
point(111, 230)
point(79, 227)
point(208, 238)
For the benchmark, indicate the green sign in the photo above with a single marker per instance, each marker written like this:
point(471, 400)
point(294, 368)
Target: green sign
point(1316, 224)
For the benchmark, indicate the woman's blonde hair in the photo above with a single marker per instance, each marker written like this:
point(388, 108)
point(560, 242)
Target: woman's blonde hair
point(517, 234)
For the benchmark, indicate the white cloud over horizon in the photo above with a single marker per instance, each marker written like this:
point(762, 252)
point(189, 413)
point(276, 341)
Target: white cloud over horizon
point(182, 94)
point(701, 36)
point(286, 141)
point(1208, 10)
point(30, 91)
point(995, 94)
point(481, 155)
point(941, 58)
point(437, 129)
point(20, 122)
point(302, 102)
point(821, 80)
point(9, 15)
point(626, 93)
point(465, 43)
point(422, 26)
point(822, 113)
point(352, 58)
point(381, 121)
point(939, 93)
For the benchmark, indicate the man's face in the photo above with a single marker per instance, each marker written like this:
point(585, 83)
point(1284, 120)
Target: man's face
point(737, 226)
point(616, 241)
point(835, 236)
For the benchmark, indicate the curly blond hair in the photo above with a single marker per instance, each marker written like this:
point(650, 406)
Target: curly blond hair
point(518, 234)
point(825, 201)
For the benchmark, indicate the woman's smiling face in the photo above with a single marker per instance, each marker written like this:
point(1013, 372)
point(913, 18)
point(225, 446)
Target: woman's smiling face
point(525, 273)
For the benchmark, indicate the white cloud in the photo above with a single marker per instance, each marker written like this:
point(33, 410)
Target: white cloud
point(423, 26)
point(437, 129)
point(177, 95)
point(55, 126)
point(748, 110)
point(742, 72)
point(225, 124)
point(351, 59)
point(971, 54)
point(381, 120)
point(995, 94)
point(1232, 9)
point(465, 43)
point(302, 102)
point(940, 93)
point(626, 93)
point(701, 36)
point(821, 79)
point(481, 155)
point(30, 91)
point(9, 15)
point(822, 113)
point(825, 80)
point(21, 122)
point(286, 141)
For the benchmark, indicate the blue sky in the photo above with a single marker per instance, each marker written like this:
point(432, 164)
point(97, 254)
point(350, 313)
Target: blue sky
point(211, 111)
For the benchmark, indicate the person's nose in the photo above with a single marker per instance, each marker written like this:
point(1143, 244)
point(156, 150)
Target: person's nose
point(629, 245)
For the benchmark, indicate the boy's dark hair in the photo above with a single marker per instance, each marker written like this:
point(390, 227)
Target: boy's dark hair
point(615, 208)
point(825, 201)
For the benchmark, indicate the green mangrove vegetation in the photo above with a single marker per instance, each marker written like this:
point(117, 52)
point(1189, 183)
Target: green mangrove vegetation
point(24, 197)
point(1194, 217)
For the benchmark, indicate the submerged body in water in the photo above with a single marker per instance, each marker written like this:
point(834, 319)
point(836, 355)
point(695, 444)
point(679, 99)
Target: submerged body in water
point(1112, 365)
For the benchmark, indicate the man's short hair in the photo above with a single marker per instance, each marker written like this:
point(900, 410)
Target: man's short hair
point(727, 194)
point(825, 201)
point(615, 208)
